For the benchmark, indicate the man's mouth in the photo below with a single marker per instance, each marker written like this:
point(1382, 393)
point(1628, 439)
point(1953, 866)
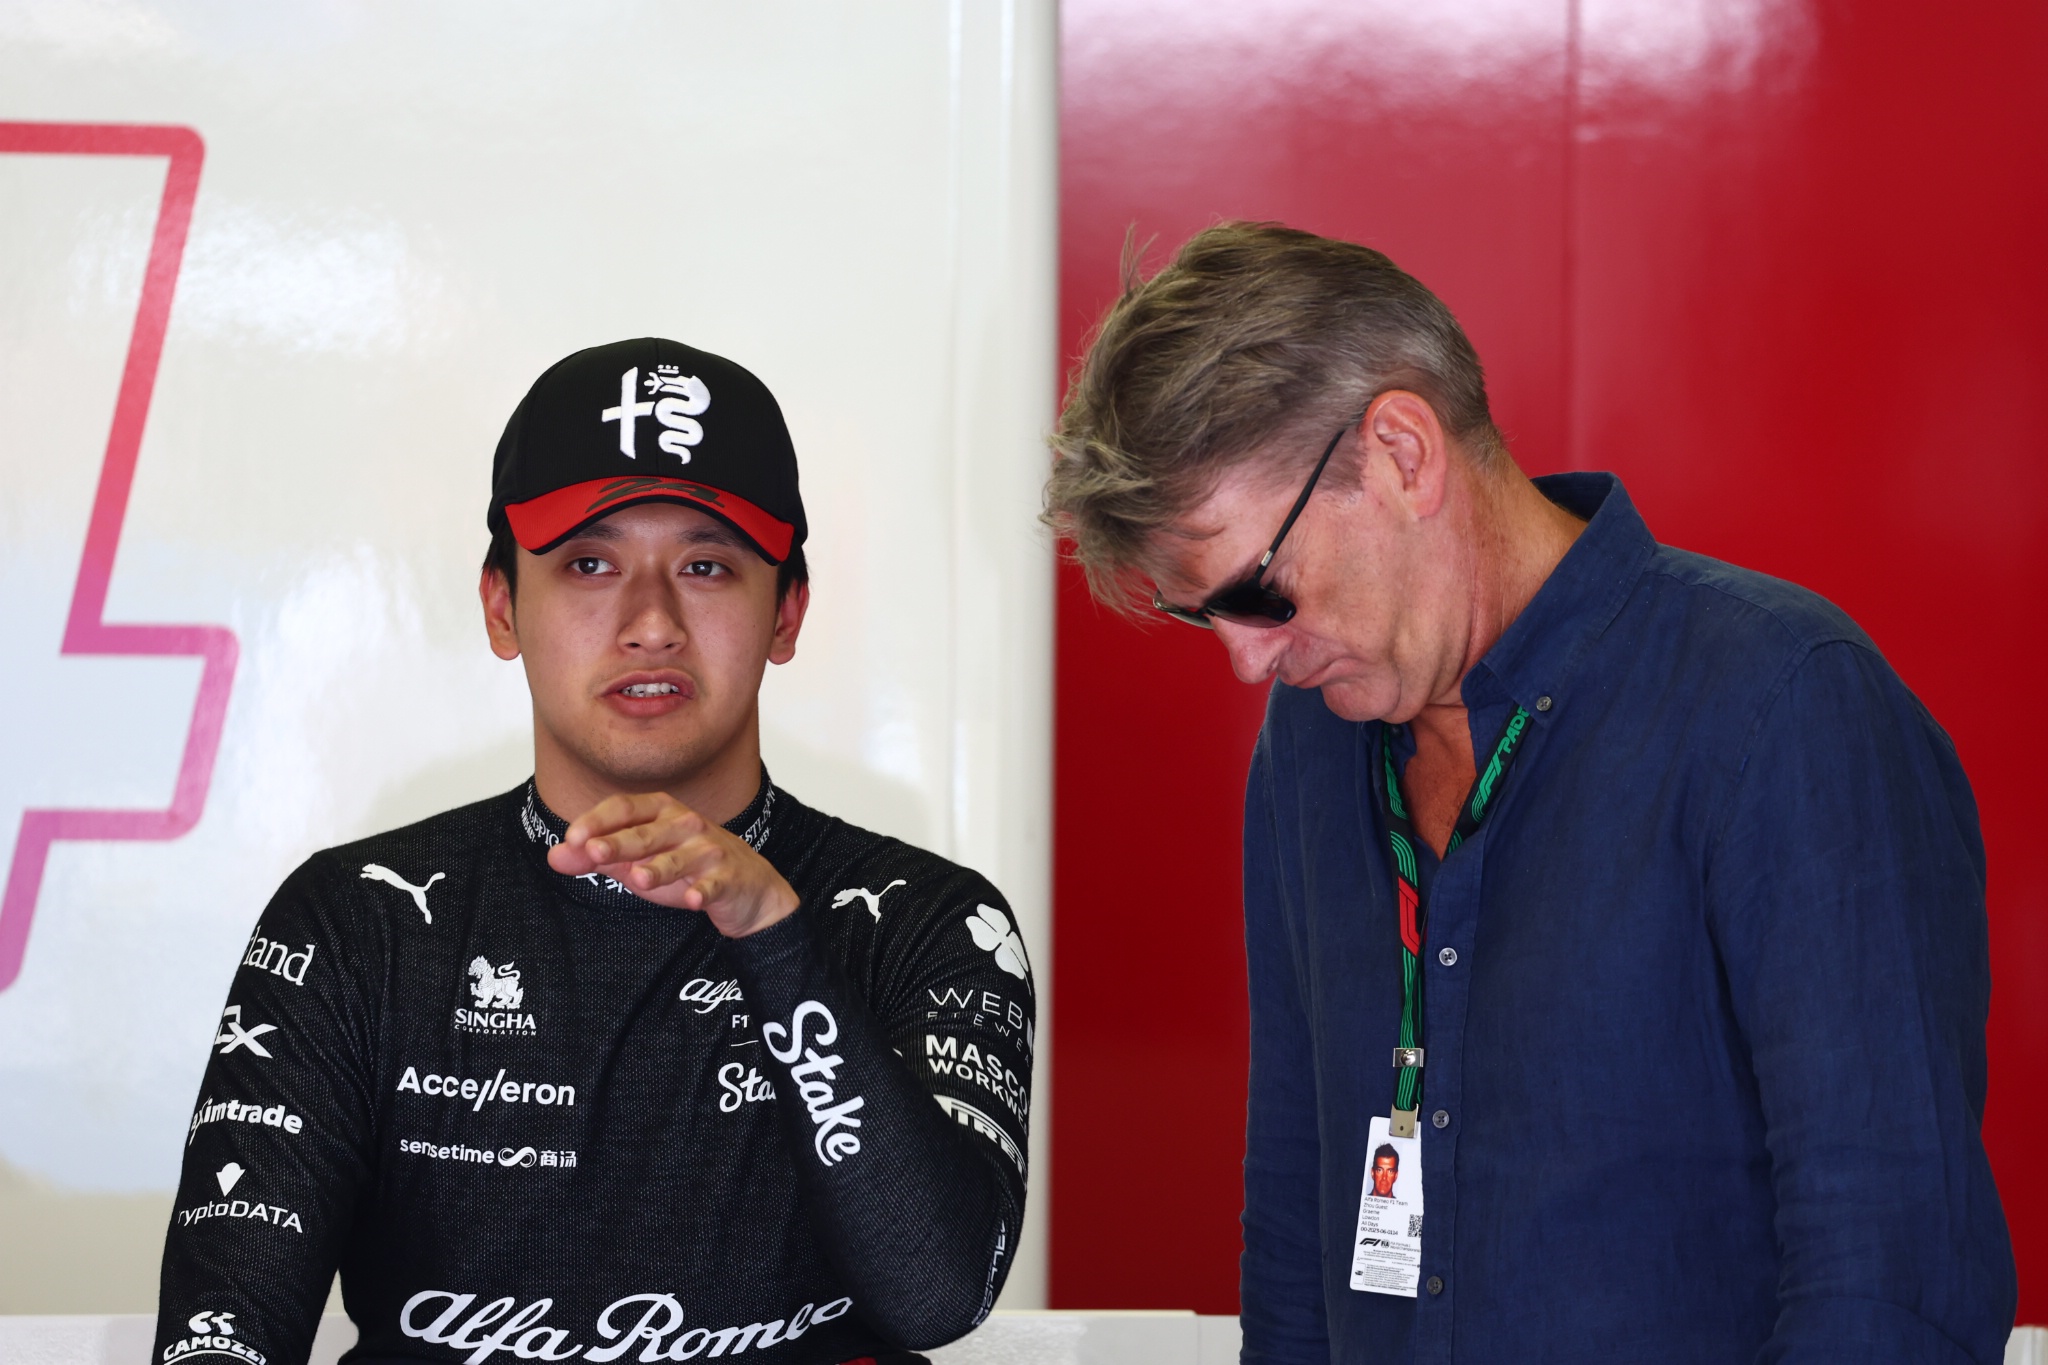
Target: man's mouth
point(655, 689)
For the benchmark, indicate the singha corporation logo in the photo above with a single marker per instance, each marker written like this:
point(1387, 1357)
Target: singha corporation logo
point(498, 996)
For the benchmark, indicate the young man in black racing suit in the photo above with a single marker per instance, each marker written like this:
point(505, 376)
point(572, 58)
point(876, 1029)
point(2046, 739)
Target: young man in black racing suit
point(699, 1073)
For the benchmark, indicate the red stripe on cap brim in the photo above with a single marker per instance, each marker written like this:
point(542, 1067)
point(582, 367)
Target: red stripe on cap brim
point(540, 524)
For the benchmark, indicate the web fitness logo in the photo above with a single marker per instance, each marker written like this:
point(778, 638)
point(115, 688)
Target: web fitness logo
point(86, 630)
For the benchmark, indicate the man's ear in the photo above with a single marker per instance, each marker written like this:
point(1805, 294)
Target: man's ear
point(1404, 427)
point(789, 619)
point(499, 624)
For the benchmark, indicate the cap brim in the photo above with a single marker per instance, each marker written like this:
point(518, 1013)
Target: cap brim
point(540, 524)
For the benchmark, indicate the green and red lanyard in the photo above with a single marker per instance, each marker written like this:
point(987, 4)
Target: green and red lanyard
point(1401, 841)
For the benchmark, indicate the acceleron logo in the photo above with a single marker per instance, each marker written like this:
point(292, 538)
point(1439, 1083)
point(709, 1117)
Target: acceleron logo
point(86, 630)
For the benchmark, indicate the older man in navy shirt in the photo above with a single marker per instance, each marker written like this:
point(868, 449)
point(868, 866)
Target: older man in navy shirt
point(1628, 896)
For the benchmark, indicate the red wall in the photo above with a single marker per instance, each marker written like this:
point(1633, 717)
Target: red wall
point(1779, 265)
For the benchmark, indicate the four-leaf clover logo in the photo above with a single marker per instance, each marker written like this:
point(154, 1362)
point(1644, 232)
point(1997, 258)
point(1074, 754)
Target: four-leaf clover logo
point(993, 934)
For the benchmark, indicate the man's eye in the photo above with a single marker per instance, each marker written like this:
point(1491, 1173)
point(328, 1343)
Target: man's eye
point(589, 565)
point(705, 568)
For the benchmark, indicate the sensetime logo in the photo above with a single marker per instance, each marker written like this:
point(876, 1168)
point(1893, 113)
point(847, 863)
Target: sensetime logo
point(501, 1325)
point(213, 1334)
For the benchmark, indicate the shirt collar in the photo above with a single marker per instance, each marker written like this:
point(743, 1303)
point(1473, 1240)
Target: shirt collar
point(1537, 657)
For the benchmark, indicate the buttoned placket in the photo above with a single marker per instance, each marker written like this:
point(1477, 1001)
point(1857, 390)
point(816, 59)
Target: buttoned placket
point(1454, 899)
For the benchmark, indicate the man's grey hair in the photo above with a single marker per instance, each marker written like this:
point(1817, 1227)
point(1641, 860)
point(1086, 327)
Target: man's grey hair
point(1258, 343)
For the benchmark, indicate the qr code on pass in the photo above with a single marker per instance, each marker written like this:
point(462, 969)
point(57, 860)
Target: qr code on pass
point(1414, 1225)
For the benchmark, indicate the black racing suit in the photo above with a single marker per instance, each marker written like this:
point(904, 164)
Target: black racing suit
point(532, 1116)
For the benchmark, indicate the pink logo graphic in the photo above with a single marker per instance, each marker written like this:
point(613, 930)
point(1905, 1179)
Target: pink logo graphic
point(85, 630)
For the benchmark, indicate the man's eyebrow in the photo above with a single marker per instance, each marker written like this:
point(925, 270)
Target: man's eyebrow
point(715, 533)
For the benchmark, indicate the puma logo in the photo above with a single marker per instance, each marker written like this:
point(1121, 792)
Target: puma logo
point(374, 873)
point(873, 898)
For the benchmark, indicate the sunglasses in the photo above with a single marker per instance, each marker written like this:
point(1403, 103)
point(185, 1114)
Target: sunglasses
point(1249, 602)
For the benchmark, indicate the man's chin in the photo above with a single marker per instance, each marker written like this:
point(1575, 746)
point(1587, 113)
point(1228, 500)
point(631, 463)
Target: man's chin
point(644, 763)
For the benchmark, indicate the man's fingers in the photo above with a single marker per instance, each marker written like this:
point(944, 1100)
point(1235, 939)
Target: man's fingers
point(670, 829)
point(623, 811)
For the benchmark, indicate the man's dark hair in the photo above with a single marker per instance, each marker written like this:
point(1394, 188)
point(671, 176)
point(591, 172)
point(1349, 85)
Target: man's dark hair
point(1386, 1149)
point(503, 555)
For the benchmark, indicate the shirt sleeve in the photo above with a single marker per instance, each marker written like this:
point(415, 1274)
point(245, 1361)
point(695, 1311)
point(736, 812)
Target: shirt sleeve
point(1281, 1275)
point(1846, 894)
point(274, 1150)
point(905, 1110)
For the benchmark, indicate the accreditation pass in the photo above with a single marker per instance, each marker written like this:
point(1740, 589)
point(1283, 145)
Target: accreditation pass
point(1386, 1255)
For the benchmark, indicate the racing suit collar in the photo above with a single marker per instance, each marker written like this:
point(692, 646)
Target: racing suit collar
point(544, 829)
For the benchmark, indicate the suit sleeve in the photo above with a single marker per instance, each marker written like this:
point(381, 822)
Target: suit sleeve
point(1846, 892)
point(906, 1110)
point(1281, 1276)
point(275, 1148)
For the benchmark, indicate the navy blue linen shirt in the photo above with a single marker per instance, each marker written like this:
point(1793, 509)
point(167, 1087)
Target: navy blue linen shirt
point(1706, 1072)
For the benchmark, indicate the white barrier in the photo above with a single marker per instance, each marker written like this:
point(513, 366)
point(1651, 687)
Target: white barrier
point(1024, 1338)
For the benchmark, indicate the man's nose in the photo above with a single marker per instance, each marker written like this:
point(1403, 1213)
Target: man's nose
point(654, 621)
point(1254, 654)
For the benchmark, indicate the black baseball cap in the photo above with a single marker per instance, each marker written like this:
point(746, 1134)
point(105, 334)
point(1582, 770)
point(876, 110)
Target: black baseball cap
point(640, 421)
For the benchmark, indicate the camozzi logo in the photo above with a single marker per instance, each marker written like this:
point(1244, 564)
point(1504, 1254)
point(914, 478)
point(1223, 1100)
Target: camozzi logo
point(498, 998)
point(213, 1334)
point(673, 399)
point(502, 1325)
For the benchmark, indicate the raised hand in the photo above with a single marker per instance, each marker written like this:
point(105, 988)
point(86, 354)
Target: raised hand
point(662, 850)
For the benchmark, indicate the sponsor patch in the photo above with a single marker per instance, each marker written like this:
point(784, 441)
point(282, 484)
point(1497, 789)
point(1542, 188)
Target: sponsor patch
point(444, 1318)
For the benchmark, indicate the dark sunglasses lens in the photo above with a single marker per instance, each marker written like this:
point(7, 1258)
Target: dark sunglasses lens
point(1252, 605)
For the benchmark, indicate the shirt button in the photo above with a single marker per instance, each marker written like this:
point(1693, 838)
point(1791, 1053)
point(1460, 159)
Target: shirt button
point(1543, 703)
point(1447, 956)
point(1436, 1284)
point(1441, 1118)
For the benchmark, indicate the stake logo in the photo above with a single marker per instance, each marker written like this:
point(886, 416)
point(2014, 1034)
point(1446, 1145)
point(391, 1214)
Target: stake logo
point(873, 898)
point(372, 872)
point(742, 1084)
point(683, 398)
point(498, 996)
point(233, 1036)
point(834, 1140)
point(502, 1325)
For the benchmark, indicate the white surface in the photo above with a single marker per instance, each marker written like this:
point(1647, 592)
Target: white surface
point(405, 214)
point(1006, 1339)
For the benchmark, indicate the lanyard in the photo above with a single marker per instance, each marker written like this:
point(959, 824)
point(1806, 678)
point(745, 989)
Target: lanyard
point(1414, 917)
